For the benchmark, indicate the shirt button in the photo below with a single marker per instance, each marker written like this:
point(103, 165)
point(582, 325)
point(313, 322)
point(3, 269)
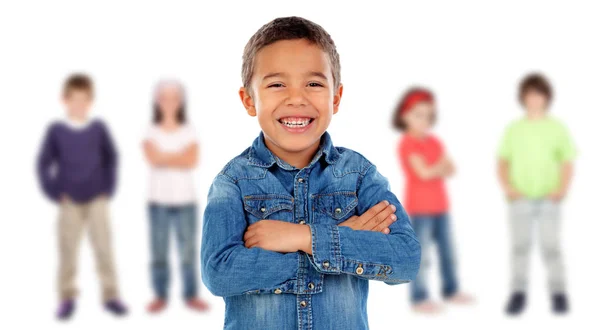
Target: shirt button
point(301, 180)
point(338, 210)
point(277, 291)
point(359, 269)
point(311, 286)
point(325, 264)
point(263, 209)
point(301, 222)
point(303, 303)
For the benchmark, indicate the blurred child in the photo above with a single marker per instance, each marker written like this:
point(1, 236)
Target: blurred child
point(77, 168)
point(535, 169)
point(171, 148)
point(283, 241)
point(426, 165)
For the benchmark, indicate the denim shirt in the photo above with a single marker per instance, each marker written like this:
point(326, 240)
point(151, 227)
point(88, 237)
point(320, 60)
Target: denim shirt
point(326, 290)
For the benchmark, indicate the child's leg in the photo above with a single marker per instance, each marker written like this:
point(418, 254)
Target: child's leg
point(185, 225)
point(443, 237)
point(423, 227)
point(521, 223)
point(549, 230)
point(101, 243)
point(70, 228)
point(159, 241)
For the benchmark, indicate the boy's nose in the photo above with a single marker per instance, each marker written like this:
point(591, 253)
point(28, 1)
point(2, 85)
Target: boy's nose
point(296, 97)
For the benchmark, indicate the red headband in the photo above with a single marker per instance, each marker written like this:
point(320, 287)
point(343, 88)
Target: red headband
point(413, 98)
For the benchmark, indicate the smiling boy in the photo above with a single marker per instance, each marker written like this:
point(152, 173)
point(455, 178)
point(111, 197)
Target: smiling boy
point(283, 241)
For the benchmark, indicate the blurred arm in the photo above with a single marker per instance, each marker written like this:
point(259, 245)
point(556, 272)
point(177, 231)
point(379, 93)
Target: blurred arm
point(504, 177)
point(110, 162)
point(442, 168)
point(448, 168)
point(185, 159)
point(565, 177)
point(503, 174)
point(45, 163)
point(566, 155)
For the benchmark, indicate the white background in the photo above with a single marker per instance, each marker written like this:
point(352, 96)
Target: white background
point(472, 54)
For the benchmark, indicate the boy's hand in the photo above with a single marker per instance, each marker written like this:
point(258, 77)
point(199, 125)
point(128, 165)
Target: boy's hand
point(64, 198)
point(278, 236)
point(377, 218)
point(557, 196)
point(512, 194)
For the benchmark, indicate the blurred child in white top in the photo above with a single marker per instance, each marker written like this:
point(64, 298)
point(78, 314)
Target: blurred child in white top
point(171, 149)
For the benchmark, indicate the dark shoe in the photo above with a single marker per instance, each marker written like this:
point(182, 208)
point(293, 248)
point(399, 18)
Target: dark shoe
point(560, 303)
point(516, 304)
point(65, 309)
point(116, 307)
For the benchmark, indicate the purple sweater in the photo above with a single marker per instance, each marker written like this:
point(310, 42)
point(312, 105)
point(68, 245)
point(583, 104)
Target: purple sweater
point(79, 163)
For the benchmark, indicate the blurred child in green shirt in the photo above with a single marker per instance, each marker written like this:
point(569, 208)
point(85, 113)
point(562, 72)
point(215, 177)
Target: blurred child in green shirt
point(535, 169)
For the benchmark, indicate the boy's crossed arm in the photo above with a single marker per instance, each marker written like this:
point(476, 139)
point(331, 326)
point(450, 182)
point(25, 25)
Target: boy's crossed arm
point(285, 237)
point(227, 261)
point(228, 267)
point(378, 245)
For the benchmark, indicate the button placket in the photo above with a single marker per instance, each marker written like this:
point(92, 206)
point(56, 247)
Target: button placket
point(300, 207)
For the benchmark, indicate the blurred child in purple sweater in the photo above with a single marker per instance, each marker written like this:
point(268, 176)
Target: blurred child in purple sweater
point(77, 169)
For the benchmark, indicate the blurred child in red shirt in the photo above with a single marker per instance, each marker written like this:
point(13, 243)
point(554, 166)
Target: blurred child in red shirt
point(426, 165)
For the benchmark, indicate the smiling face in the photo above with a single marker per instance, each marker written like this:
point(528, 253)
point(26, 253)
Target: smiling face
point(293, 95)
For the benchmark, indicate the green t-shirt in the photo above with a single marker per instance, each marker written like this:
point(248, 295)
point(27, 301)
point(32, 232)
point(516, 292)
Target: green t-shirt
point(535, 151)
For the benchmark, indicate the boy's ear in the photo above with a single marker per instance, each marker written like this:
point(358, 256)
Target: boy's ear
point(247, 101)
point(337, 98)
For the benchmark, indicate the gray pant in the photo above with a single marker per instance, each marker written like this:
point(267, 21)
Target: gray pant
point(524, 215)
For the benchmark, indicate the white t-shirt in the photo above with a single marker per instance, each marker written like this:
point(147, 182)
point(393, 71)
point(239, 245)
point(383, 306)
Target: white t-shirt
point(171, 186)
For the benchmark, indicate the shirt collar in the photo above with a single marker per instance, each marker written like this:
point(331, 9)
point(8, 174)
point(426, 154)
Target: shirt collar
point(261, 156)
point(76, 124)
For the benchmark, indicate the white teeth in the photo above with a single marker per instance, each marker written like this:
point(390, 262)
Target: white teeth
point(295, 123)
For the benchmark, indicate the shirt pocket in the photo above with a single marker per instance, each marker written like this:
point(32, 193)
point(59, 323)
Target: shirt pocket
point(334, 207)
point(274, 207)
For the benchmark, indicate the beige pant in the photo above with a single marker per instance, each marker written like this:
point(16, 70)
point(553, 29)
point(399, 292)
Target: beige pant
point(73, 219)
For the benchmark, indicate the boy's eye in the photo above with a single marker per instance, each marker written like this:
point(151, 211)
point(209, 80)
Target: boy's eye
point(275, 85)
point(315, 84)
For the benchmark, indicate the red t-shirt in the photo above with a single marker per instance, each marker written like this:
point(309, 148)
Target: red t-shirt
point(422, 197)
